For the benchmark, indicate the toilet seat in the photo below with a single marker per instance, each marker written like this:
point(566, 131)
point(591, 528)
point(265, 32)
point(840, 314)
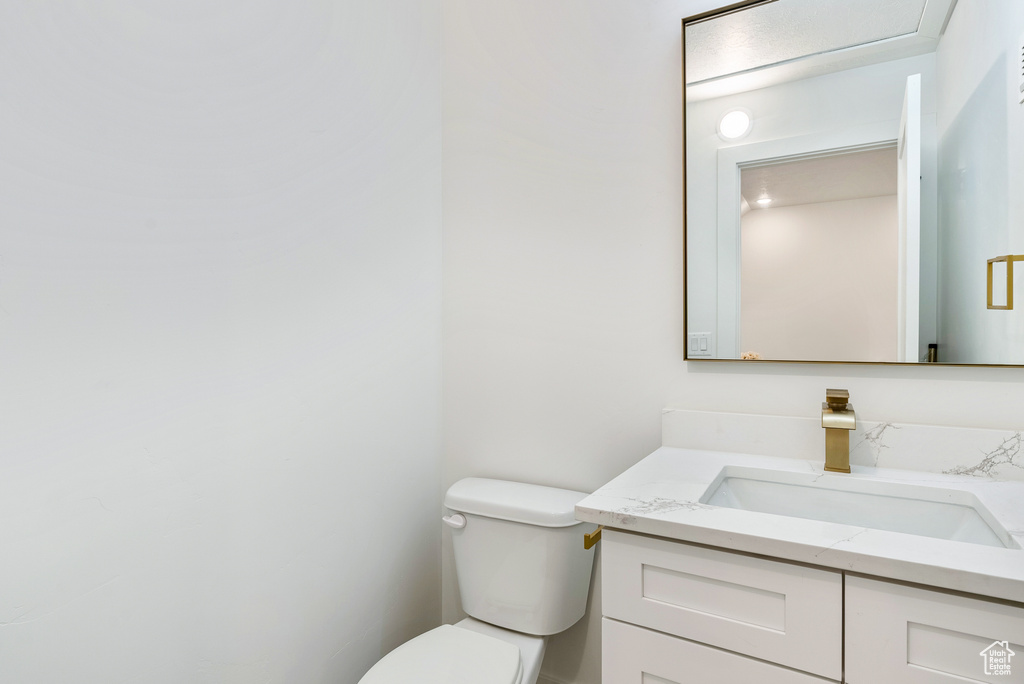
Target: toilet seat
point(449, 655)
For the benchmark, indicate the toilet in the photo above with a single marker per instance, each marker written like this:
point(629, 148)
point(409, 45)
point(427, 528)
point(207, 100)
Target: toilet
point(523, 575)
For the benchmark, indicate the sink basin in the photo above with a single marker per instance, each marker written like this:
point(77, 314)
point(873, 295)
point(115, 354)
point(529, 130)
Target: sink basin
point(927, 511)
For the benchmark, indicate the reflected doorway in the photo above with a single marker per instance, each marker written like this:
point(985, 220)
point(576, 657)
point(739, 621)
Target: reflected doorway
point(819, 256)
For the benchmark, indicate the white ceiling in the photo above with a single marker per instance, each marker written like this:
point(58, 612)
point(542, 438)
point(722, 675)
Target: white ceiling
point(852, 175)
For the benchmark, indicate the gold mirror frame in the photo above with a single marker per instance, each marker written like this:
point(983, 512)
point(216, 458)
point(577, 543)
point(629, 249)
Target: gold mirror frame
point(736, 7)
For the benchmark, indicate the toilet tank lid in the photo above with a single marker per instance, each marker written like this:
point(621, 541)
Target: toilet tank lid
point(515, 501)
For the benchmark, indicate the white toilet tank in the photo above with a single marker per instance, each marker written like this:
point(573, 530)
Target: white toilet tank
point(519, 558)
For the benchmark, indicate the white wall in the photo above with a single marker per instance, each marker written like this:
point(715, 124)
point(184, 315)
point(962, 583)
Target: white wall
point(981, 162)
point(563, 247)
point(801, 301)
point(563, 266)
point(219, 338)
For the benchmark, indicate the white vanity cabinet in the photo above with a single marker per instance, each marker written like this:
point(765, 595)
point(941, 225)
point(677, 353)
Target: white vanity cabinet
point(774, 612)
point(678, 613)
point(642, 656)
point(899, 633)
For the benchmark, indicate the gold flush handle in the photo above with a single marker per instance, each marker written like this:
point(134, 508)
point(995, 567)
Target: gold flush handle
point(591, 538)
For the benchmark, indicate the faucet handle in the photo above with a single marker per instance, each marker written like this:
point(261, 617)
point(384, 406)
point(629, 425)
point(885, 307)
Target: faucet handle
point(837, 399)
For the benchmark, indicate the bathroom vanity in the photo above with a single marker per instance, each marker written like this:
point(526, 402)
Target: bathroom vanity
point(728, 567)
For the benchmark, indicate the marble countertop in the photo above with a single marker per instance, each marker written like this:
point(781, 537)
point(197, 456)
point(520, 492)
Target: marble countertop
point(661, 496)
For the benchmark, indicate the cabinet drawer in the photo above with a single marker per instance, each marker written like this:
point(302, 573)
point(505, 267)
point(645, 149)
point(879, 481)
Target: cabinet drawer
point(633, 655)
point(783, 613)
point(906, 635)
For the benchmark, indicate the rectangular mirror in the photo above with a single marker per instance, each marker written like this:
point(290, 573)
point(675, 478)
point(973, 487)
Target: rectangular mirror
point(853, 167)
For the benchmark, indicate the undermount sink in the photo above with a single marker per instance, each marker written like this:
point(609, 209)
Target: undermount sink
point(928, 511)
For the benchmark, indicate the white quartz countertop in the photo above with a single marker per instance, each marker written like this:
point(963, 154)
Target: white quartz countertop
point(661, 495)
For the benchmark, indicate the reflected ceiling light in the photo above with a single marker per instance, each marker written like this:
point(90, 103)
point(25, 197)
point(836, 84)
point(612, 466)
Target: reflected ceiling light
point(735, 124)
point(764, 201)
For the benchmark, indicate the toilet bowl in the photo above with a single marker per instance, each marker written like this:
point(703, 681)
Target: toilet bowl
point(468, 652)
point(523, 575)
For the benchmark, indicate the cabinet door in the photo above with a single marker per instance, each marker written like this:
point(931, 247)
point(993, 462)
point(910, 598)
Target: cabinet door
point(779, 612)
point(633, 655)
point(897, 634)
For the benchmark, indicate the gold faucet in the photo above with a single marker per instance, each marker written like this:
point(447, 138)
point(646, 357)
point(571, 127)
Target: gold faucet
point(838, 418)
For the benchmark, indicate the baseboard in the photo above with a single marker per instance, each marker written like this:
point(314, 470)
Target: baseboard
point(542, 679)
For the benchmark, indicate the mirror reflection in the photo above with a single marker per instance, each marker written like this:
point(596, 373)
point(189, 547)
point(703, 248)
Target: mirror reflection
point(853, 167)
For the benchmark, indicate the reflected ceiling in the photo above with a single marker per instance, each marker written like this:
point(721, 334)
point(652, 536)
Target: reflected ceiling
point(832, 178)
point(781, 41)
point(778, 32)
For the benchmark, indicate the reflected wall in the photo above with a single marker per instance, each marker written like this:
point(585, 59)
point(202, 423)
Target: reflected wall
point(981, 179)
